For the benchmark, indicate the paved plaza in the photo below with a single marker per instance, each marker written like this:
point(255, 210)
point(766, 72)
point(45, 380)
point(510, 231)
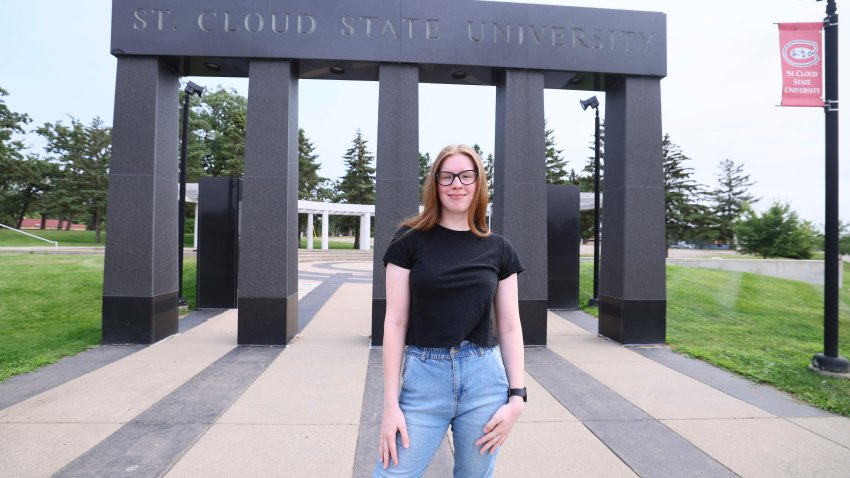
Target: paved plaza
point(196, 405)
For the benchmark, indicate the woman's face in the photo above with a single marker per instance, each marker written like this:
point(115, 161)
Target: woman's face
point(457, 197)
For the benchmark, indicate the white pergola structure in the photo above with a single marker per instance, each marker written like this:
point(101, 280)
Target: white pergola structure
point(326, 209)
point(365, 211)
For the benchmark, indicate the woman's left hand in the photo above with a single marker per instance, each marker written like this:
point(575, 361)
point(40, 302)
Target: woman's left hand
point(496, 431)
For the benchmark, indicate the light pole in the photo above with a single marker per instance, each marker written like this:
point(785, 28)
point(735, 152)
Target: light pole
point(592, 102)
point(191, 89)
point(829, 360)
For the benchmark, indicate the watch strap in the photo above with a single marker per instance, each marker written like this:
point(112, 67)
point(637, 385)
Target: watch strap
point(521, 392)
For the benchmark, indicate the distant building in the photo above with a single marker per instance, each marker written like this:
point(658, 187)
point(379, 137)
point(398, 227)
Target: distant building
point(51, 224)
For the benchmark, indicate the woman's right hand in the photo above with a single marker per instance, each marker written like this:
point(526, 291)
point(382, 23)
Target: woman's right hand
point(392, 423)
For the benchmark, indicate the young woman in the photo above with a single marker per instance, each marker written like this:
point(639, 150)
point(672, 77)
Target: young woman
point(446, 274)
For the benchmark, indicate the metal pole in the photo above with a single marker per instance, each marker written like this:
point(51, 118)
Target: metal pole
point(594, 301)
point(830, 361)
point(181, 202)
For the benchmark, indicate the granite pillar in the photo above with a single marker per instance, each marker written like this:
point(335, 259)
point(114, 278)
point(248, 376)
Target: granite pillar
point(632, 289)
point(140, 264)
point(397, 172)
point(268, 246)
point(563, 238)
point(519, 202)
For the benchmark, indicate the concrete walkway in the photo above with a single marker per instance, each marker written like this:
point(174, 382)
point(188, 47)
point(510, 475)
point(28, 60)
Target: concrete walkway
point(197, 405)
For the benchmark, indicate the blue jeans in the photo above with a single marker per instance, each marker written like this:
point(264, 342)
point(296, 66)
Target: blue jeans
point(461, 387)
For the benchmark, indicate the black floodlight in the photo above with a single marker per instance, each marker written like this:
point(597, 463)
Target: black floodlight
point(591, 102)
point(193, 89)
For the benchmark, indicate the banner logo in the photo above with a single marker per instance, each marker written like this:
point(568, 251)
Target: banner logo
point(801, 53)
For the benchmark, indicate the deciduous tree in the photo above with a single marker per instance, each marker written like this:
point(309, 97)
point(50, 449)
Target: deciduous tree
point(82, 153)
point(216, 134)
point(778, 232)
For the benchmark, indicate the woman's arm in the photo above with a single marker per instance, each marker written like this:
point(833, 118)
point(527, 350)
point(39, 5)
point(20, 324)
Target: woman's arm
point(395, 329)
point(511, 344)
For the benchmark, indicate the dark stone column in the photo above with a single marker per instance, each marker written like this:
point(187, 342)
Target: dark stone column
point(519, 205)
point(632, 290)
point(268, 243)
point(562, 204)
point(217, 215)
point(140, 266)
point(397, 172)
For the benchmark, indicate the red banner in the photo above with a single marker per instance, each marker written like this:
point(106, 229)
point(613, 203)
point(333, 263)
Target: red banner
point(802, 71)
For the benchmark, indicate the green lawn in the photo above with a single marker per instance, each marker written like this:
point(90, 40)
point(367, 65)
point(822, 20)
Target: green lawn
point(317, 244)
point(66, 238)
point(51, 307)
point(763, 328)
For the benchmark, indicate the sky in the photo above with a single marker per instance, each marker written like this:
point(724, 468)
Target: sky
point(719, 99)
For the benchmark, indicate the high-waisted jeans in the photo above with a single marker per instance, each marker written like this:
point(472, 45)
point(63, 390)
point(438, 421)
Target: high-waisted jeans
point(461, 387)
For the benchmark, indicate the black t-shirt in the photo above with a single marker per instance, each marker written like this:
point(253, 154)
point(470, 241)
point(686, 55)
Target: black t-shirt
point(453, 279)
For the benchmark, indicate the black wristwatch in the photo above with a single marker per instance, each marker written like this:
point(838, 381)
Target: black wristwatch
point(519, 392)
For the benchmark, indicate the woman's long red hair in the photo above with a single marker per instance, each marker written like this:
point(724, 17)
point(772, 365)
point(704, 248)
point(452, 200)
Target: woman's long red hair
point(432, 208)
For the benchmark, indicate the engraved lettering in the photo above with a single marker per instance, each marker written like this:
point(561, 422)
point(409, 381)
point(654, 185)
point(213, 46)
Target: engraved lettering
point(520, 30)
point(347, 27)
point(627, 36)
point(410, 21)
point(201, 19)
point(301, 21)
point(160, 16)
point(285, 23)
point(598, 41)
point(471, 36)
point(260, 22)
point(612, 37)
point(139, 23)
point(498, 31)
point(227, 27)
point(557, 36)
point(389, 26)
point(538, 37)
point(368, 24)
point(646, 40)
point(432, 29)
point(578, 38)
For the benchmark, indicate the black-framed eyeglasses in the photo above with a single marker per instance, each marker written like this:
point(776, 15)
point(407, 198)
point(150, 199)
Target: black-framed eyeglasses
point(445, 178)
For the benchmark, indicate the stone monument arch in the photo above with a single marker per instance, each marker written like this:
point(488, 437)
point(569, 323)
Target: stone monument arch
point(518, 48)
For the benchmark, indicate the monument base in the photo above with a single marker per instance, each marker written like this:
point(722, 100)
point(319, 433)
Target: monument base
point(633, 322)
point(138, 320)
point(267, 321)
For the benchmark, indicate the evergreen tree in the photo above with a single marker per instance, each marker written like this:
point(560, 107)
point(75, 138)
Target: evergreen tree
point(730, 199)
point(309, 181)
point(358, 184)
point(489, 169)
point(555, 165)
point(311, 186)
point(424, 166)
point(685, 215)
point(585, 181)
point(83, 153)
point(778, 232)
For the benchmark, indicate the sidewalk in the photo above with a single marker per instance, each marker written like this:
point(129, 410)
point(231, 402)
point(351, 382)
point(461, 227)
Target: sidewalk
point(197, 405)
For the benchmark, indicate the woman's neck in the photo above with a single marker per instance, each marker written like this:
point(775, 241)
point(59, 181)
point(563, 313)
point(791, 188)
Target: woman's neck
point(455, 222)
